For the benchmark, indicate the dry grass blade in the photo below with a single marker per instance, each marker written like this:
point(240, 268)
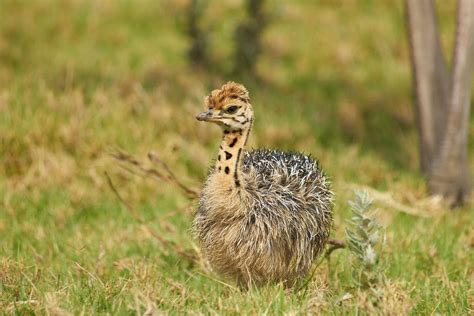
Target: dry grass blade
point(167, 174)
point(190, 192)
point(129, 160)
point(164, 242)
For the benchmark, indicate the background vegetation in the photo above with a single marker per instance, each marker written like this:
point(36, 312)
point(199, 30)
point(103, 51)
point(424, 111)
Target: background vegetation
point(78, 76)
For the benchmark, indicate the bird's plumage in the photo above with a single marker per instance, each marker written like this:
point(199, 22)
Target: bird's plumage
point(263, 215)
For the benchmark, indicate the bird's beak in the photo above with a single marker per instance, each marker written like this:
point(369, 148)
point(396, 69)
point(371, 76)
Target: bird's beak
point(205, 116)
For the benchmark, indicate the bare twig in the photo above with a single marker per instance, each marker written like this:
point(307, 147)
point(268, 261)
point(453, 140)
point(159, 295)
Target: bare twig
point(164, 242)
point(130, 160)
point(191, 193)
point(164, 175)
point(335, 244)
point(433, 204)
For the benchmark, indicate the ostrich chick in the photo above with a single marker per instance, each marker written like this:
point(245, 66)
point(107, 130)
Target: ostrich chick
point(263, 215)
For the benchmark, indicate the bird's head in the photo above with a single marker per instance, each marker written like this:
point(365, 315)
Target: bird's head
point(229, 107)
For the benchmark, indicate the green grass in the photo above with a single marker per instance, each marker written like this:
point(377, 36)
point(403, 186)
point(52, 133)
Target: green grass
point(77, 77)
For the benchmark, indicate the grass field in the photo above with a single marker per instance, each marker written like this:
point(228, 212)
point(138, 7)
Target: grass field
point(79, 77)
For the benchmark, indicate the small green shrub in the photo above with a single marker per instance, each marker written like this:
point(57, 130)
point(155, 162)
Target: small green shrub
point(364, 239)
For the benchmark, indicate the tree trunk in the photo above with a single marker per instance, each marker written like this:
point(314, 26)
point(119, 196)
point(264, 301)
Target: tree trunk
point(431, 78)
point(449, 174)
point(442, 99)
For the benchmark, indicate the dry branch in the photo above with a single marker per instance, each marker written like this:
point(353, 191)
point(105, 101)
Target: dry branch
point(190, 192)
point(425, 208)
point(164, 242)
point(163, 173)
point(334, 245)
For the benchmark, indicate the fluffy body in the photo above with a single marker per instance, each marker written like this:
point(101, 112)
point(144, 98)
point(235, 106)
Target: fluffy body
point(272, 228)
point(263, 215)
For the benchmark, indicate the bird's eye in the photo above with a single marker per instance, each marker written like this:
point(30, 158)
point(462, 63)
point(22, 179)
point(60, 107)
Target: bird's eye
point(232, 109)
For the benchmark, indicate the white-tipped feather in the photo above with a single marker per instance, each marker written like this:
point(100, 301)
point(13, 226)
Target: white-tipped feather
point(276, 227)
point(263, 215)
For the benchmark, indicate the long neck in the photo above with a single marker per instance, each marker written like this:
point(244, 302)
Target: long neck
point(229, 159)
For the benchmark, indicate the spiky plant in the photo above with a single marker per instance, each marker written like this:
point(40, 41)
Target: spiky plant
point(364, 239)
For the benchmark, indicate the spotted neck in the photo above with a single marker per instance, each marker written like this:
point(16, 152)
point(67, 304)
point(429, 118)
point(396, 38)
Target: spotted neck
point(230, 156)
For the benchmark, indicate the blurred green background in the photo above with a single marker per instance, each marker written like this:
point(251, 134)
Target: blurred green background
point(333, 79)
